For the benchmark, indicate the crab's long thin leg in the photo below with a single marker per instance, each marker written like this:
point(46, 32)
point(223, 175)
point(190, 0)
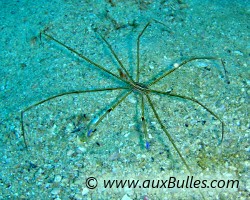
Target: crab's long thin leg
point(199, 103)
point(170, 138)
point(94, 123)
point(167, 133)
point(55, 96)
point(187, 61)
point(144, 122)
point(138, 46)
point(84, 57)
point(116, 57)
point(138, 52)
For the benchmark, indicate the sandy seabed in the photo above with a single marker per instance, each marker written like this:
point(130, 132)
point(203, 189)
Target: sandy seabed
point(56, 165)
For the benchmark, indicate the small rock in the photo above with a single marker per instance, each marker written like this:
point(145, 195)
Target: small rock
point(78, 197)
point(57, 178)
point(238, 53)
point(126, 197)
point(176, 65)
point(82, 149)
point(55, 191)
point(132, 100)
point(85, 191)
point(70, 153)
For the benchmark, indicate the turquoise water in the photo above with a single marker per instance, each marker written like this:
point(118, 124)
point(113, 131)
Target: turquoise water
point(56, 164)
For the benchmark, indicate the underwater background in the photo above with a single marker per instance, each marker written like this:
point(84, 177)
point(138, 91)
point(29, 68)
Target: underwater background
point(56, 164)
